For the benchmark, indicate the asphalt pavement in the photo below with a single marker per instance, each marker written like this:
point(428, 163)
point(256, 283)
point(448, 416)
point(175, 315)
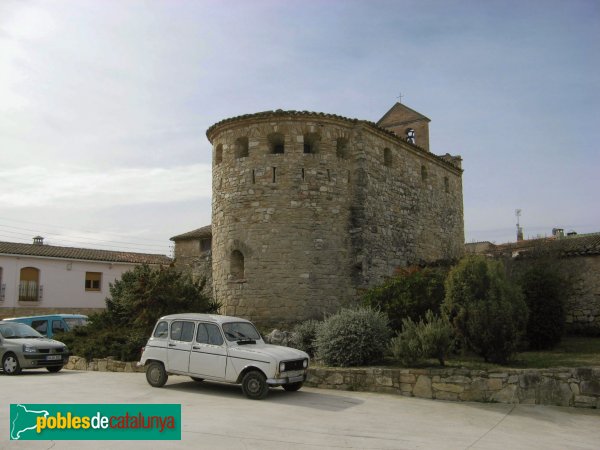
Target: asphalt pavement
point(218, 416)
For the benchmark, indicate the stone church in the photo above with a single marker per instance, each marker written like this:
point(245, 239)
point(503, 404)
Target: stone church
point(310, 209)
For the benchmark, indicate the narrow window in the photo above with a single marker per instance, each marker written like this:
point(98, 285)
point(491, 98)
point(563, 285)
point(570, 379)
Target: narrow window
point(410, 135)
point(423, 173)
point(274, 174)
point(276, 143)
point(219, 154)
point(311, 143)
point(387, 157)
point(237, 265)
point(328, 175)
point(253, 177)
point(29, 284)
point(446, 184)
point(341, 148)
point(241, 147)
point(303, 174)
point(93, 281)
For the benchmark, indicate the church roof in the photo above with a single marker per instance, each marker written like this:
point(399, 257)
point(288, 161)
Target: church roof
point(86, 254)
point(198, 233)
point(409, 114)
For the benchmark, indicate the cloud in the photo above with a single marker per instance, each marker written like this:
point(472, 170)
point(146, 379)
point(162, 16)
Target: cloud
point(35, 186)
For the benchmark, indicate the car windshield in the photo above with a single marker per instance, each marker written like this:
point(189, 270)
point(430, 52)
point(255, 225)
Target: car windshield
point(74, 322)
point(240, 331)
point(18, 331)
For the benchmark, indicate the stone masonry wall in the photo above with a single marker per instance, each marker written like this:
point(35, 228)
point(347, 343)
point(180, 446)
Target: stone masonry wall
point(561, 386)
point(583, 306)
point(315, 228)
point(189, 257)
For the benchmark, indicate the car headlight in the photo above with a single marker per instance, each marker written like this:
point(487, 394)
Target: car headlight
point(282, 367)
point(305, 363)
point(29, 349)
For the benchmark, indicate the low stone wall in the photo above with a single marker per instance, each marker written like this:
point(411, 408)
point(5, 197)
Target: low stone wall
point(561, 386)
point(102, 365)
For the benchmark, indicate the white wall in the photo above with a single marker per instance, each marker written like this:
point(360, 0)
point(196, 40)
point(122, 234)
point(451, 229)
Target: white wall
point(62, 281)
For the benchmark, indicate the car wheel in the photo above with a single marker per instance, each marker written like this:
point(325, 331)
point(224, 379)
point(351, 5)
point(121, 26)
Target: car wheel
point(11, 365)
point(54, 369)
point(198, 380)
point(156, 374)
point(254, 385)
point(292, 387)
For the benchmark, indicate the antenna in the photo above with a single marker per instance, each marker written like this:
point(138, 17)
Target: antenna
point(519, 229)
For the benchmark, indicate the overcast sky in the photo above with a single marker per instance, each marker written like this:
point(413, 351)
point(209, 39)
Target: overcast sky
point(104, 104)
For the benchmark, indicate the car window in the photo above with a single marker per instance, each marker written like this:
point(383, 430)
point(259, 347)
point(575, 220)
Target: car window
point(74, 322)
point(17, 330)
point(162, 330)
point(57, 326)
point(182, 331)
point(236, 331)
point(41, 326)
point(209, 333)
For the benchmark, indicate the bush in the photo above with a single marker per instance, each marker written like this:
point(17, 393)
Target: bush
point(487, 311)
point(304, 336)
point(544, 290)
point(410, 294)
point(431, 338)
point(138, 299)
point(353, 337)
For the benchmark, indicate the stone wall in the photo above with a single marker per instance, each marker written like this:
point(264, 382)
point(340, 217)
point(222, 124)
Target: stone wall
point(189, 257)
point(561, 386)
point(314, 228)
point(583, 306)
point(102, 365)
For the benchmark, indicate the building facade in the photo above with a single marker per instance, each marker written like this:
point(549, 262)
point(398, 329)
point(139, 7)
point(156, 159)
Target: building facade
point(44, 279)
point(308, 209)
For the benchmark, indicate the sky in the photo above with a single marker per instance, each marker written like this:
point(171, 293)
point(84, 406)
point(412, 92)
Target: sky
point(104, 104)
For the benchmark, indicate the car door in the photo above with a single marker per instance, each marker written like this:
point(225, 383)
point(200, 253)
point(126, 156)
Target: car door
point(180, 345)
point(208, 358)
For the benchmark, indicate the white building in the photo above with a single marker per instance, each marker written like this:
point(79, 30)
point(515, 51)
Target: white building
point(41, 279)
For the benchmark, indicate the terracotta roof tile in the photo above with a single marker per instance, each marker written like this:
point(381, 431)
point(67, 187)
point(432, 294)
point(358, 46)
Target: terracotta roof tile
point(204, 232)
point(53, 251)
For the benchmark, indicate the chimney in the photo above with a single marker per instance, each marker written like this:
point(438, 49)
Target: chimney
point(38, 240)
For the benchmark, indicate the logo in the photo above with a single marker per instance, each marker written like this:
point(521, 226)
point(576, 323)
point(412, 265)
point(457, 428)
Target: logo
point(95, 422)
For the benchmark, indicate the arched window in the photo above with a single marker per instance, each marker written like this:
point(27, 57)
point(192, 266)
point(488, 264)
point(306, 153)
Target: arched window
point(219, 154)
point(311, 143)
point(276, 143)
point(237, 265)
point(423, 173)
point(241, 147)
point(29, 284)
point(341, 148)
point(387, 157)
point(410, 135)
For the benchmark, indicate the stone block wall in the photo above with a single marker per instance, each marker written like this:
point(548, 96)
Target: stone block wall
point(298, 234)
point(559, 386)
point(583, 306)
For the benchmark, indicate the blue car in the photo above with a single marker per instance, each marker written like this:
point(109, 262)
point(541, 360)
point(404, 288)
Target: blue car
point(49, 324)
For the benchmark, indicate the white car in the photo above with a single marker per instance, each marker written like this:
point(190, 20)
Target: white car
point(221, 348)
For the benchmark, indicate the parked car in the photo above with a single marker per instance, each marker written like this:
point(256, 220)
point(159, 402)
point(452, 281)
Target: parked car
point(50, 324)
point(221, 348)
point(21, 347)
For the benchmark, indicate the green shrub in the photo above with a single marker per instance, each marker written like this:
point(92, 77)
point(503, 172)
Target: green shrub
point(431, 338)
point(138, 299)
point(410, 294)
point(486, 310)
point(544, 290)
point(304, 336)
point(353, 337)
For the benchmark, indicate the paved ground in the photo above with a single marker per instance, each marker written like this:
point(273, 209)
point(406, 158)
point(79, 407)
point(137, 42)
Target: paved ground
point(216, 416)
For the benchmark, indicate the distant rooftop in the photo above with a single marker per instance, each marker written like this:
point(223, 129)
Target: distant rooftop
point(87, 254)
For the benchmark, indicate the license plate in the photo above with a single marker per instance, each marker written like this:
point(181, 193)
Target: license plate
point(53, 357)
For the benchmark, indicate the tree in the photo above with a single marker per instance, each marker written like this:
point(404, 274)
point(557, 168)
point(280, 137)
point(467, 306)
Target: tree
point(136, 301)
point(486, 309)
point(410, 294)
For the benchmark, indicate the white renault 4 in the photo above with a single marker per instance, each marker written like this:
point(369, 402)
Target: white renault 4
point(221, 348)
